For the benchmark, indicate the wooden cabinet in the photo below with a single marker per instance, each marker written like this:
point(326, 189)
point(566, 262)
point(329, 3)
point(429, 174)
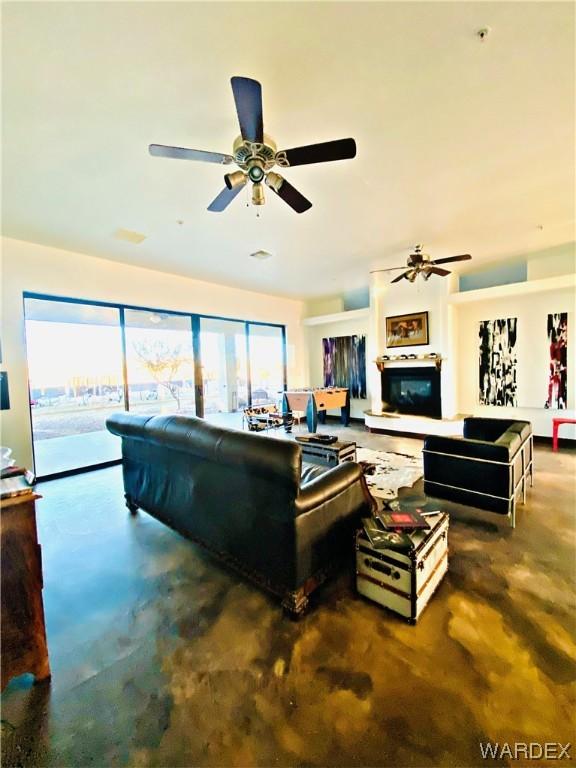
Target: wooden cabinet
point(24, 647)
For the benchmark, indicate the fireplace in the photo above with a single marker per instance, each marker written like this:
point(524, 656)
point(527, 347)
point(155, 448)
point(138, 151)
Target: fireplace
point(412, 390)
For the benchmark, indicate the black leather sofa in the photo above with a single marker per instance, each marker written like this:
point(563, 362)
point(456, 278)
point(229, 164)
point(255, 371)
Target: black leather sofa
point(487, 468)
point(245, 497)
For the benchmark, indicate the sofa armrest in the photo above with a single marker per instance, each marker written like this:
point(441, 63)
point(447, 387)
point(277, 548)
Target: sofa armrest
point(327, 511)
point(329, 485)
point(458, 447)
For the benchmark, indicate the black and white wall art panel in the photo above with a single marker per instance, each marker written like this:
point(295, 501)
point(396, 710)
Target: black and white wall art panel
point(558, 370)
point(497, 362)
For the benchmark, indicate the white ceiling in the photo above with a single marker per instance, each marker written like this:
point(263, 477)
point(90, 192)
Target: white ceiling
point(463, 145)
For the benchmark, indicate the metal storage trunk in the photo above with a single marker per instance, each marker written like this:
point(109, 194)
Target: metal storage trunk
point(330, 454)
point(404, 580)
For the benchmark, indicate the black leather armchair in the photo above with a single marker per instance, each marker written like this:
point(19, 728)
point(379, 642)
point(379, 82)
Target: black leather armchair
point(245, 497)
point(487, 468)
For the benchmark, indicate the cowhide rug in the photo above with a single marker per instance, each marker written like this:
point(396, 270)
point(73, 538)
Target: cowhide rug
point(393, 471)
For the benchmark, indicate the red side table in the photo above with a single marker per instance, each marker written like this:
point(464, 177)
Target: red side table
point(555, 424)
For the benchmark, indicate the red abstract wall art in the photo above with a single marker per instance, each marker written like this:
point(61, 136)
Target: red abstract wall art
point(557, 377)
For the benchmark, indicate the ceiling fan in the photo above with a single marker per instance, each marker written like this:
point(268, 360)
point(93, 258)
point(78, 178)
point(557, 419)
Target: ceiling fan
point(255, 154)
point(419, 263)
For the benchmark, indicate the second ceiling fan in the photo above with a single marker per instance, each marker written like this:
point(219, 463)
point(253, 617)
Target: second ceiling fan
point(419, 263)
point(255, 153)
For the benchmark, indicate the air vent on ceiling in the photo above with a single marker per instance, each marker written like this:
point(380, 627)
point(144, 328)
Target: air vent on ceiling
point(129, 236)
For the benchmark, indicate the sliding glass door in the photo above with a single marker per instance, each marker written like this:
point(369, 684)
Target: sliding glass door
point(224, 367)
point(88, 360)
point(159, 362)
point(266, 350)
point(75, 372)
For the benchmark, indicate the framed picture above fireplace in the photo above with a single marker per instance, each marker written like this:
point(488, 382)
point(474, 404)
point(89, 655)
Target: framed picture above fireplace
point(407, 330)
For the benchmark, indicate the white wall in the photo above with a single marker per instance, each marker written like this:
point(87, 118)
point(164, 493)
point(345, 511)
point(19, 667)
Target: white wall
point(533, 355)
point(314, 336)
point(35, 268)
point(325, 305)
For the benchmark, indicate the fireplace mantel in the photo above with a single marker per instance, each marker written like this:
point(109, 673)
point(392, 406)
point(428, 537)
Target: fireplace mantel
point(385, 360)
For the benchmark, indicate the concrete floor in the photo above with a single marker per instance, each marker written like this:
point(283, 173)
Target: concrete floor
point(160, 657)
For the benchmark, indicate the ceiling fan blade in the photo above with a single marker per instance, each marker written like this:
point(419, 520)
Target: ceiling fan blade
point(389, 269)
point(325, 152)
point(181, 153)
point(224, 199)
point(464, 257)
point(400, 277)
point(287, 192)
point(437, 271)
point(248, 99)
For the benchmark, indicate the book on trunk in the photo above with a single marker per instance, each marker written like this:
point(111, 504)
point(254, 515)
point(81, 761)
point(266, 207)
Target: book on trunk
point(395, 519)
point(381, 539)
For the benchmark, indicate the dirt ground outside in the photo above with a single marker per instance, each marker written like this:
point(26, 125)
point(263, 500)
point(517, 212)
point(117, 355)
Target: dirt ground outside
point(48, 423)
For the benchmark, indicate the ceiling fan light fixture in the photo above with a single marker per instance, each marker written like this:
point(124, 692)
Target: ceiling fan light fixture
point(274, 181)
point(258, 195)
point(412, 276)
point(256, 173)
point(234, 180)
